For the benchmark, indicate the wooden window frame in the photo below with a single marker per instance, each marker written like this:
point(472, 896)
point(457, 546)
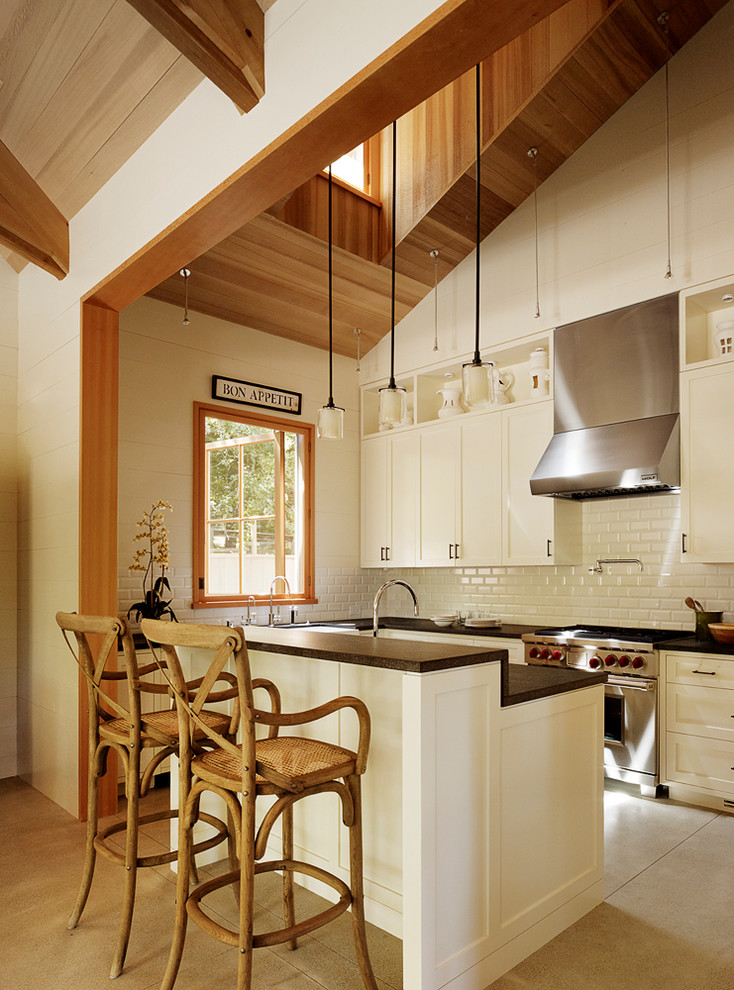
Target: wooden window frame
point(371, 152)
point(200, 598)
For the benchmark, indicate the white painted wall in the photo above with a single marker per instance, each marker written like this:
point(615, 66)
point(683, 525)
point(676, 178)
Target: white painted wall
point(311, 48)
point(8, 518)
point(602, 227)
point(164, 368)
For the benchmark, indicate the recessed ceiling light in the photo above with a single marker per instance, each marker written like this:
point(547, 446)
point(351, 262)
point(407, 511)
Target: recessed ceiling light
point(728, 297)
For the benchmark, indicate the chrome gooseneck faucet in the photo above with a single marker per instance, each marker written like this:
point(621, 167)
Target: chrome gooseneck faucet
point(378, 595)
point(272, 619)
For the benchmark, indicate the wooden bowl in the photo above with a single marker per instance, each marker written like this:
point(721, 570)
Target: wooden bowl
point(723, 632)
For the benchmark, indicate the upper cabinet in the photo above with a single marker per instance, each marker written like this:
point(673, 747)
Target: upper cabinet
point(707, 415)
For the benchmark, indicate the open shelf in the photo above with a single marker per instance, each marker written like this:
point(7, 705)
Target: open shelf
point(512, 363)
point(703, 310)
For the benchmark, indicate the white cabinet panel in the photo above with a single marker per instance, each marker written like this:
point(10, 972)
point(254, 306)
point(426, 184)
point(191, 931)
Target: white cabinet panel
point(701, 711)
point(707, 469)
point(538, 530)
point(389, 468)
point(481, 490)
point(439, 462)
point(704, 763)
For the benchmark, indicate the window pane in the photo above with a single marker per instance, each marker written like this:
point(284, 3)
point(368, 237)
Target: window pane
point(350, 167)
point(223, 557)
point(258, 479)
point(224, 501)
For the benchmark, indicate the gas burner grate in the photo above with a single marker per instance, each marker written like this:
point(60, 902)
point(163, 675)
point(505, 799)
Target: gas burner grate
point(610, 633)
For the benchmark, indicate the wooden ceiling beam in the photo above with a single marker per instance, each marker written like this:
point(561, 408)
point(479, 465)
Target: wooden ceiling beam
point(457, 36)
point(224, 39)
point(30, 223)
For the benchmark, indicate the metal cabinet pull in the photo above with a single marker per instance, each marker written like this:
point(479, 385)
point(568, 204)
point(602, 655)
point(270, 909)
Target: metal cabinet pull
point(456, 551)
point(548, 548)
point(451, 554)
point(709, 673)
point(387, 553)
point(382, 553)
point(683, 539)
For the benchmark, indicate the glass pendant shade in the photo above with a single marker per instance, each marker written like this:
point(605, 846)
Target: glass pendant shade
point(330, 423)
point(477, 384)
point(391, 408)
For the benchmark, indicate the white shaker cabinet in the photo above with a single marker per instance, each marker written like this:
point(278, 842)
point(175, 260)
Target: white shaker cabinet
point(537, 529)
point(389, 500)
point(439, 526)
point(460, 514)
point(698, 738)
point(707, 469)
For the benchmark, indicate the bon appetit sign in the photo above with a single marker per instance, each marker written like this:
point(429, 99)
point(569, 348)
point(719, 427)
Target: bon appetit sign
point(251, 394)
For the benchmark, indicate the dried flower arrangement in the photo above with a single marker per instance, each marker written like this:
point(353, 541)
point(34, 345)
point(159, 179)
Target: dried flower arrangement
point(155, 553)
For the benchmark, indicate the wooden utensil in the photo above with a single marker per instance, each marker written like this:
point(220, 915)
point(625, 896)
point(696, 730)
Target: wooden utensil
point(693, 603)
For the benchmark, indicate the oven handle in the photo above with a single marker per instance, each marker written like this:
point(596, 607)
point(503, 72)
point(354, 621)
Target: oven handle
point(628, 682)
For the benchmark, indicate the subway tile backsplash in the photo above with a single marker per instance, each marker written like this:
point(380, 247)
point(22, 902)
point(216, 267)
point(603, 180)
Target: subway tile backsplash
point(646, 527)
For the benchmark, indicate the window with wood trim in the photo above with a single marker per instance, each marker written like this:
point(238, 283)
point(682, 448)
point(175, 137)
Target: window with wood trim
point(253, 513)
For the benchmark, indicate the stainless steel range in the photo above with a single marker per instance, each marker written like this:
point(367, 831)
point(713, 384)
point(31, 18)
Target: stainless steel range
point(629, 656)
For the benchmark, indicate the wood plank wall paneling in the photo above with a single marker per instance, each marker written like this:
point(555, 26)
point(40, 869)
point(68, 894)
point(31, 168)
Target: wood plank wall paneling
point(356, 226)
point(97, 502)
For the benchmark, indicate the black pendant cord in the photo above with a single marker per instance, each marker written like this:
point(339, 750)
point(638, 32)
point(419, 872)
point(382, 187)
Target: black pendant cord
point(477, 356)
point(394, 197)
point(330, 403)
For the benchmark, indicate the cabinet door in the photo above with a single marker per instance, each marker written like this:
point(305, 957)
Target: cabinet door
point(403, 499)
point(528, 536)
point(439, 460)
point(375, 494)
point(481, 491)
point(707, 467)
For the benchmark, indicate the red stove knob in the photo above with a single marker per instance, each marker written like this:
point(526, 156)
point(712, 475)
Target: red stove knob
point(557, 655)
point(610, 660)
point(545, 653)
point(595, 662)
point(638, 662)
point(533, 652)
point(623, 660)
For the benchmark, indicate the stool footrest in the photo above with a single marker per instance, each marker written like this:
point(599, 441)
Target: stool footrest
point(117, 853)
point(277, 936)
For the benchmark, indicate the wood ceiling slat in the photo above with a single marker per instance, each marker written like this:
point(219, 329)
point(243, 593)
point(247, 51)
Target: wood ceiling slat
point(39, 49)
point(149, 113)
point(116, 66)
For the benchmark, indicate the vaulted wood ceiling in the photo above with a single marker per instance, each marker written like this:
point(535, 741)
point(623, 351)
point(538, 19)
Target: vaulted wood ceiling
point(85, 82)
point(549, 90)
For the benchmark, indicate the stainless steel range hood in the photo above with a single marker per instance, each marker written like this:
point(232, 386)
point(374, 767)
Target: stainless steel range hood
point(616, 429)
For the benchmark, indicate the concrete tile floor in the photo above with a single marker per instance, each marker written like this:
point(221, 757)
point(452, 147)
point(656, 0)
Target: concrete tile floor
point(666, 921)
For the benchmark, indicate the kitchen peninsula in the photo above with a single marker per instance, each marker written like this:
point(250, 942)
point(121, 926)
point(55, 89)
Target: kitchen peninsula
point(482, 797)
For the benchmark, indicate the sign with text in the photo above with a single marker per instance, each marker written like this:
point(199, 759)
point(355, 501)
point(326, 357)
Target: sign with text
point(251, 394)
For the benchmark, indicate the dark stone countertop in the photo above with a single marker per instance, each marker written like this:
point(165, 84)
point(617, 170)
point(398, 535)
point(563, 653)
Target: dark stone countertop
point(689, 644)
point(520, 683)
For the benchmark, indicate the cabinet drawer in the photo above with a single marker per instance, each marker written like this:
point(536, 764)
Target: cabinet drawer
point(709, 670)
point(706, 763)
point(701, 711)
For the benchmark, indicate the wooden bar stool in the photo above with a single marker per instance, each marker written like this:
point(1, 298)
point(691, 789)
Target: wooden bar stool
point(288, 767)
point(121, 725)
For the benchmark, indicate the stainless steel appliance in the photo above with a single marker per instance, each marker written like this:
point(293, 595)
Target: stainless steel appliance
point(616, 429)
point(629, 656)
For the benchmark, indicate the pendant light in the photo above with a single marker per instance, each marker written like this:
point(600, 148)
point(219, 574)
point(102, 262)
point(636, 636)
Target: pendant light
point(330, 418)
point(358, 335)
point(477, 384)
point(392, 398)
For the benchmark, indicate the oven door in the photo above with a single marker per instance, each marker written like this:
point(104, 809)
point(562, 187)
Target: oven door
point(630, 729)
